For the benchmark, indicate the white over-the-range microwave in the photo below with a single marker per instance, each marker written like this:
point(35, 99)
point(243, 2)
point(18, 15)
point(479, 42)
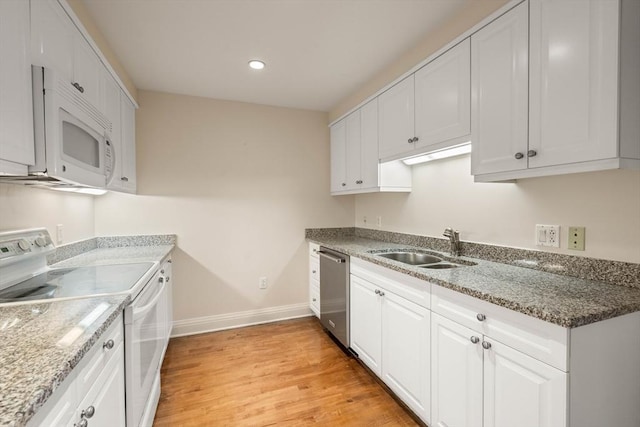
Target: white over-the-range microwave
point(72, 145)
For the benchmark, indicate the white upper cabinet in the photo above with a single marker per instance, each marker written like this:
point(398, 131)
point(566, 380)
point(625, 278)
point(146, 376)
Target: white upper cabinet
point(128, 149)
point(573, 81)
point(443, 99)
point(583, 89)
point(354, 156)
point(16, 111)
point(396, 119)
point(499, 81)
point(52, 37)
point(428, 110)
point(57, 44)
point(338, 156)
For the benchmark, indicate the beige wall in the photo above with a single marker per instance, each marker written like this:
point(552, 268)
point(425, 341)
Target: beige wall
point(24, 207)
point(444, 195)
point(474, 12)
point(89, 24)
point(238, 183)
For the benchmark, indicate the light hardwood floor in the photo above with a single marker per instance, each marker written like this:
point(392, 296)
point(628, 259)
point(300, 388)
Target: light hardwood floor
point(281, 374)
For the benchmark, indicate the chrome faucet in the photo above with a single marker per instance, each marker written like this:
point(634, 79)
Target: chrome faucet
point(454, 238)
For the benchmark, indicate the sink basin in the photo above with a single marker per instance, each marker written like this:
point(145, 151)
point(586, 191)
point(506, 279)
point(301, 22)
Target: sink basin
point(412, 258)
point(440, 266)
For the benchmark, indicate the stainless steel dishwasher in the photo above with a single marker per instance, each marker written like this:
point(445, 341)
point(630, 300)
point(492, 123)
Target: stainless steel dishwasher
point(334, 294)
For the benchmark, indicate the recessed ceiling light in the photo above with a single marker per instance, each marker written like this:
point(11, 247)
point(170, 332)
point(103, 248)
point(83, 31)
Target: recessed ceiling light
point(256, 64)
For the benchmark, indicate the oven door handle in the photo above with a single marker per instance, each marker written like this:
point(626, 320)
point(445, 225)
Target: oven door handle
point(331, 257)
point(142, 311)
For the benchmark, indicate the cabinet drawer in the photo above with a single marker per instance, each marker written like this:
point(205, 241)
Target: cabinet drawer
point(539, 339)
point(100, 355)
point(314, 269)
point(313, 249)
point(413, 289)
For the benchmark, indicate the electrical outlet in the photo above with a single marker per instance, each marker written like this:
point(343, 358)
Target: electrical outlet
point(548, 235)
point(576, 238)
point(379, 221)
point(262, 283)
point(59, 235)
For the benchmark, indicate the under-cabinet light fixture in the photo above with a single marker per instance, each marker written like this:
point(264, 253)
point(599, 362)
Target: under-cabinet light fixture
point(81, 190)
point(256, 64)
point(456, 150)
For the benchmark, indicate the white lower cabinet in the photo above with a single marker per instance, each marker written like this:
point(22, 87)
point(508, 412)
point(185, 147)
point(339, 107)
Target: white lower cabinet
point(391, 334)
point(314, 279)
point(478, 381)
point(93, 394)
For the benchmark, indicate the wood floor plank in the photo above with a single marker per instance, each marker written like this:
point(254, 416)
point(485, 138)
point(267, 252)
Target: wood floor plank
point(281, 374)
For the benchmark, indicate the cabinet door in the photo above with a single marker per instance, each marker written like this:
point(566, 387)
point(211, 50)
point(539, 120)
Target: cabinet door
point(52, 37)
point(86, 70)
point(128, 149)
point(365, 323)
point(406, 352)
point(111, 108)
point(573, 81)
point(499, 94)
point(16, 106)
point(369, 167)
point(338, 156)
point(352, 169)
point(443, 98)
point(456, 374)
point(522, 391)
point(396, 119)
point(107, 395)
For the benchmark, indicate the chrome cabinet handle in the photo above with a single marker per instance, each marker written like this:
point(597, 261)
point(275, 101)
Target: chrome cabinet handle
point(532, 153)
point(381, 294)
point(475, 339)
point(108, 345)
point(486, 345)
point(82, 423)
point(77, 86)
point(166, 279)
point(314, 300)
point(89, 412)
point(481, 317)
point(410, 140)
point(313, 271)
point(124, 178)
point(344, 184)
point(359, 181)
point(377, 291)
point(519, 156)
point(414, 139)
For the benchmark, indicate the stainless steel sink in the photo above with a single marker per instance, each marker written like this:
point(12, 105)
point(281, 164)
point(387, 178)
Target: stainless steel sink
point(440, 266)
point(423, 260)
point(412, 258)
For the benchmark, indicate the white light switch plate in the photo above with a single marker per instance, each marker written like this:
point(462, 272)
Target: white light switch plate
point(547, 235)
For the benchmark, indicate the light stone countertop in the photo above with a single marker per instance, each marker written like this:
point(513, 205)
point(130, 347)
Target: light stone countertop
point(563, 300)
point(33, 362)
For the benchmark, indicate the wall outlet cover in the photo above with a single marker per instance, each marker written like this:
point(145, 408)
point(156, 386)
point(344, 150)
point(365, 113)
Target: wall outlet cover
point(547, 235)
point(576, 238)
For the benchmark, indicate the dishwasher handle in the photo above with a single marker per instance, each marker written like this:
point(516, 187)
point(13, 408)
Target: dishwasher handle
point(332, 257)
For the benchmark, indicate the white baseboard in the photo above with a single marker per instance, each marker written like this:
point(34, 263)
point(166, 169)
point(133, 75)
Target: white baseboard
point(199, 325)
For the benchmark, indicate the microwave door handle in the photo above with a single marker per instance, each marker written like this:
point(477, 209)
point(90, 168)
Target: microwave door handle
point(142, 311)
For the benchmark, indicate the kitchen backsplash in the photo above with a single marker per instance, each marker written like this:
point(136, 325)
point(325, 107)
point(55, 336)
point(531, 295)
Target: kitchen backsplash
point(614, 272)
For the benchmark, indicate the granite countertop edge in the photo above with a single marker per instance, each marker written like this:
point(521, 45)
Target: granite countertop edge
point(568, 321)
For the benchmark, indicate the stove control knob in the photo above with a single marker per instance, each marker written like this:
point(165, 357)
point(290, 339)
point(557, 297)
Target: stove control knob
point(23, 244)
point(41, 241)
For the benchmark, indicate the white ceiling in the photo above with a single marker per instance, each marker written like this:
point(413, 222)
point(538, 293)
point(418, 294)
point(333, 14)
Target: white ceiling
point(317, 51)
